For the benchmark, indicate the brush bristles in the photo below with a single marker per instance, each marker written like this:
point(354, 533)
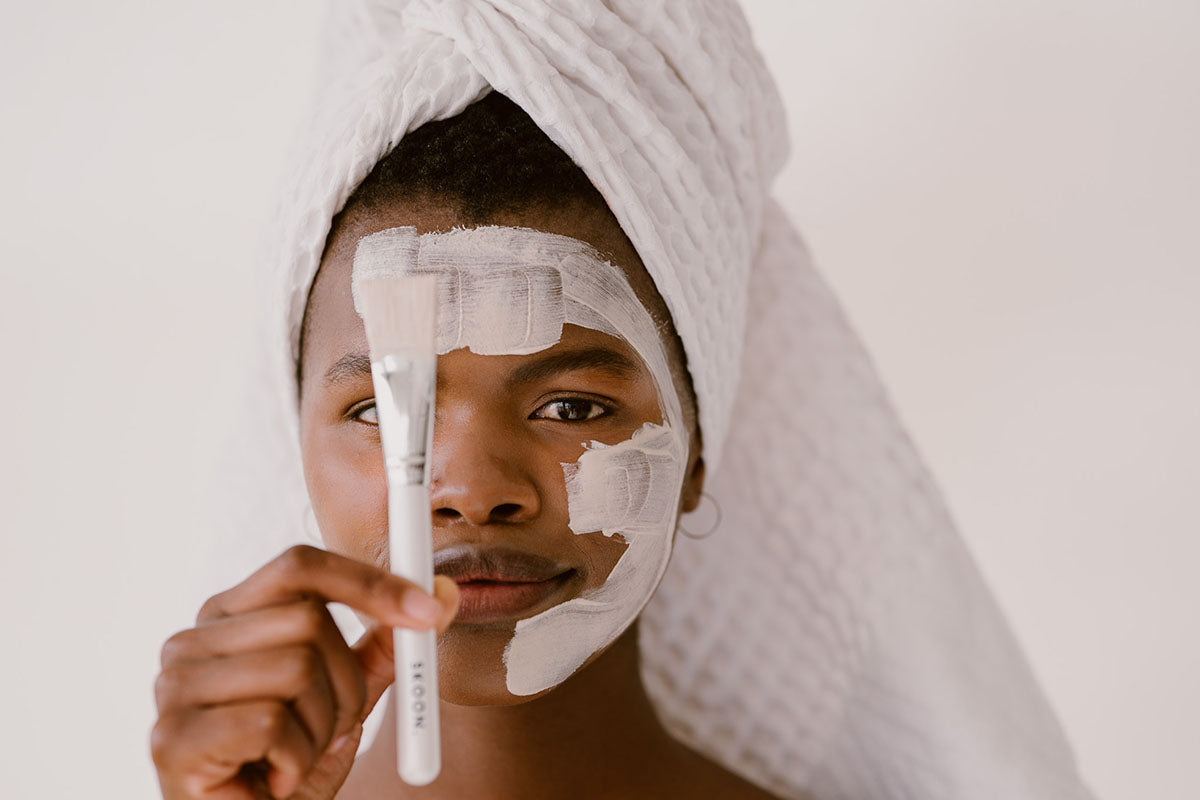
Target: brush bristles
point(399, 315)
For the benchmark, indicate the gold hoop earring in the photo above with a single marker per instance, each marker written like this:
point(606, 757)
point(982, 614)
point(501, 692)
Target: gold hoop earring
point(712, 528)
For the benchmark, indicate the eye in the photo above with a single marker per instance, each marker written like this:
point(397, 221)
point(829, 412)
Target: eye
point(571, 409)
point(365, 414)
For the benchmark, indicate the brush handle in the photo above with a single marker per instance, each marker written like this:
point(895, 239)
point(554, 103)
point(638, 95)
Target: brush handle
point(418, 739)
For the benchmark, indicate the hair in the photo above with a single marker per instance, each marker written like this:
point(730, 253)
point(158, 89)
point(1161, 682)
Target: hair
point(492, 157)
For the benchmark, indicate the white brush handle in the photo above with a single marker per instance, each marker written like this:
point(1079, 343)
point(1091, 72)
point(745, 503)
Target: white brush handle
point(418, 740)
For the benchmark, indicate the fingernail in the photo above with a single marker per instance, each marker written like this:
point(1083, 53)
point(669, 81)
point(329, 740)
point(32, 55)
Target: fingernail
point(421, 607)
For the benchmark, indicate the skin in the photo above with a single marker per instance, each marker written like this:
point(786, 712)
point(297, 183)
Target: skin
point(263, 698)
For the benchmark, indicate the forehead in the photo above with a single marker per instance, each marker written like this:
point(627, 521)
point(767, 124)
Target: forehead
point(330, 318)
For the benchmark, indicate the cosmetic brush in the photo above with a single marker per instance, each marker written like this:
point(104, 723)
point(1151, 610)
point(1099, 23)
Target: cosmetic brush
point(399, 315)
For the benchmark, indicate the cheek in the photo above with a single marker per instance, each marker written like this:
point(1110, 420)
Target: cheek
point(599, 554)
point(348, 490)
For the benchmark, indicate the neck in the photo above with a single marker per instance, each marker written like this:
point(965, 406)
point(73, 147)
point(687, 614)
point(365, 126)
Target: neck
point(595, 735)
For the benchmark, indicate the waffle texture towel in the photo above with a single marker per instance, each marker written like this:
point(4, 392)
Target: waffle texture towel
point(834, 636)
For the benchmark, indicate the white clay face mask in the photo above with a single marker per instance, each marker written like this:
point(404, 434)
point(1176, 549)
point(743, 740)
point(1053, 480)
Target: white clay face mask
point(509, 291)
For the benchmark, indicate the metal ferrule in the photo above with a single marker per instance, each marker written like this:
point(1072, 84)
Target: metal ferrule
point(404, 396)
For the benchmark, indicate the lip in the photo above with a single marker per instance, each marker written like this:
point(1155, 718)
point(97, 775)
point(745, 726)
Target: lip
point(500, 583)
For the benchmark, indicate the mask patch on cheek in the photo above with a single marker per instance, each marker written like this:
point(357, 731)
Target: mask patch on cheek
point(629, 488)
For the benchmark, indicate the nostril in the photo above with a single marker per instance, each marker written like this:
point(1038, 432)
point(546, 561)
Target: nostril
point(452, 513)
point(506, 511)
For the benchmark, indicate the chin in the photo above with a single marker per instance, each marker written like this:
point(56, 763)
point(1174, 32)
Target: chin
point(471, 669)
point(471, 666)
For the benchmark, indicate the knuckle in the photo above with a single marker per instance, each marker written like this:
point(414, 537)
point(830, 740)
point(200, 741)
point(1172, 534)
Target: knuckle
point(270, 722)
point(372, 583)
point(385, 584)
point(312, 616)
point(212, 608)
point(304, 667)
point(167, 686)
point(298, 558)
point(164, 738)
point(196, 785)
point(176, 647)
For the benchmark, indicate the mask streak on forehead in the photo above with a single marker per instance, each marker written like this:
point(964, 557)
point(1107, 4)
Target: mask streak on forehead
point(509, 291)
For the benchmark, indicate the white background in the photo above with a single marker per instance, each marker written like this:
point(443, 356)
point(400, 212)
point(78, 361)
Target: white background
point(1005, 195)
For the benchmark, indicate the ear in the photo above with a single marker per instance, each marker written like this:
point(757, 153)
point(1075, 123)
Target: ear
point(693, 485)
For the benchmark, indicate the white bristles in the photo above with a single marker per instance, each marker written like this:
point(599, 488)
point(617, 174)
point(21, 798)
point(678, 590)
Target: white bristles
point(399, 315)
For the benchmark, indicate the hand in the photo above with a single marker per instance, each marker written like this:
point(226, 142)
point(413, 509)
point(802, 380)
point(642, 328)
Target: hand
point(264, 698)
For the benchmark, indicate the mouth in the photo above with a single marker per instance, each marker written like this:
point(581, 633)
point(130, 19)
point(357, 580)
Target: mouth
point(501, 584)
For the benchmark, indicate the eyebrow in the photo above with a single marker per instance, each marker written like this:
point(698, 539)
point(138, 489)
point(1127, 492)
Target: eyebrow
point(596, 359)
point(350, 367)
point(354, 366)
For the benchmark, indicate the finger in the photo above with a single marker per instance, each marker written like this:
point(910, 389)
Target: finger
point(330, 772)
point(375, 649)
point(203, 750)
point(293, 674)
point(376, 654)
point(302, 622)
point(304, 571)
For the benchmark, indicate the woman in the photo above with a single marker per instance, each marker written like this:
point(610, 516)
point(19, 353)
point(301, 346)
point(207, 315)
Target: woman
point(814, 645)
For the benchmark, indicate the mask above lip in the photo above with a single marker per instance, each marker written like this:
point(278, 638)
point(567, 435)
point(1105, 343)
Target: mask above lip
point(502, 564)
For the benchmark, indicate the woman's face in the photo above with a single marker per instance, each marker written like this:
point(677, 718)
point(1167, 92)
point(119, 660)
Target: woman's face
point(505, 426)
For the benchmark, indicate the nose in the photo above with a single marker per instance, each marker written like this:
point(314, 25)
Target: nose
point(477, 475)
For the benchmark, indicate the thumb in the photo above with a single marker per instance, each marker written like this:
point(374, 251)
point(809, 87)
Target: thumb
point(375, 651)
